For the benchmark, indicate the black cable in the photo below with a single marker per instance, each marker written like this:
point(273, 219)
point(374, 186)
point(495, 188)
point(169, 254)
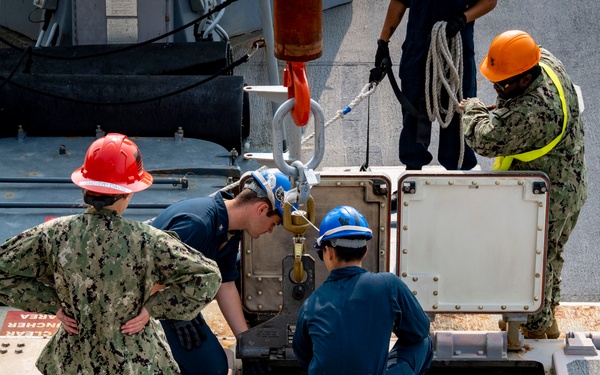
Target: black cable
point(31, 53)
point(47, 18)
point(238, 62)
point(365, 166)
point(406, 104)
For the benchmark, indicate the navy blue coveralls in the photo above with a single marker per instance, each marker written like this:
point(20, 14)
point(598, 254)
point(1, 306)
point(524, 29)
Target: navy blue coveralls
point(423, 14)
point(203, 224)
point(345, 326)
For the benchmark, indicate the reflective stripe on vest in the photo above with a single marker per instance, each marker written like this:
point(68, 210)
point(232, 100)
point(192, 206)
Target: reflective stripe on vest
point(502, 163)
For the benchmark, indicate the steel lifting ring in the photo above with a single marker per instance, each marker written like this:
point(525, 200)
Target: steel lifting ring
point(278, 135)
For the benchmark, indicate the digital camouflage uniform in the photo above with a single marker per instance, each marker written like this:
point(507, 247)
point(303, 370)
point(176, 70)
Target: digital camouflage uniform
point(529, 122)
point(101, 269)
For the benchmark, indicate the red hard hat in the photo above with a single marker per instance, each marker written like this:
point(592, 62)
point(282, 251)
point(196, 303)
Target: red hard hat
point(112, 165)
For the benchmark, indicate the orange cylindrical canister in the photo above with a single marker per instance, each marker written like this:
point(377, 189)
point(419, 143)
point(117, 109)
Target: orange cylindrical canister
point(297, 25)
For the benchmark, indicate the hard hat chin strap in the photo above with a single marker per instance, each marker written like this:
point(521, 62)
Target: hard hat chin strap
point(261, 192)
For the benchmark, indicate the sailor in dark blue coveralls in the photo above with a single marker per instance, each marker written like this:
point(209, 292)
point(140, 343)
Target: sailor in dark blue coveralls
point(423, 14)
point(213, 225)
point(345, 326)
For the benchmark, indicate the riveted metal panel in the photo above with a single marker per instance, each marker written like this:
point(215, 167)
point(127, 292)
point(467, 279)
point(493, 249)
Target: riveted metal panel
point(261, 266)
point(473, 242)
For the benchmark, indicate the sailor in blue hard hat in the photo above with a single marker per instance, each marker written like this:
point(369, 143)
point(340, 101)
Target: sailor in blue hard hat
point(344, 327)
point(344, 227)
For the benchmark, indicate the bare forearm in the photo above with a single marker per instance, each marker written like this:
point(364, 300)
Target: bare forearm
point(480, 8)
point(229, 302)
point(393, 17)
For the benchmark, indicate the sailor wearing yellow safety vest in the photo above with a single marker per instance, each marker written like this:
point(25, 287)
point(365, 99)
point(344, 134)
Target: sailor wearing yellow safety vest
point(536, 126)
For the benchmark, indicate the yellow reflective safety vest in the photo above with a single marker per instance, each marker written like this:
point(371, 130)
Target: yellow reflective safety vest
point(502, 163)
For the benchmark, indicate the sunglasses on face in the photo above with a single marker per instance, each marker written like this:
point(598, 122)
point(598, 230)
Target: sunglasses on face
point(503, 85)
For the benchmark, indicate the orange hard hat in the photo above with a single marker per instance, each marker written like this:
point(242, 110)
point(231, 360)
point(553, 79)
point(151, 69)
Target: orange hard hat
point(112, 165)
point(511, 53)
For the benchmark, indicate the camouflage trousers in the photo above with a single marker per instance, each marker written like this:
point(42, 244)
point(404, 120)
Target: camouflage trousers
point(558, 234)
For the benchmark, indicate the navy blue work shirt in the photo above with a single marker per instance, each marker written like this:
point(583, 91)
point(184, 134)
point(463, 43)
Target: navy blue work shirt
point(422, 16)
point(203, 224)
point(345, 326)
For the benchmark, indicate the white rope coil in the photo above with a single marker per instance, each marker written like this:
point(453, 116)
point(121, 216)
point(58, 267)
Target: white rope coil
point(444, 69)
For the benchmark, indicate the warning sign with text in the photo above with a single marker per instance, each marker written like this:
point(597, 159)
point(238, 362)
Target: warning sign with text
point(26, 324)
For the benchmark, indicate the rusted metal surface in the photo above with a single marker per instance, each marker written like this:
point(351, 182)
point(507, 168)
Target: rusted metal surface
point(298, 31)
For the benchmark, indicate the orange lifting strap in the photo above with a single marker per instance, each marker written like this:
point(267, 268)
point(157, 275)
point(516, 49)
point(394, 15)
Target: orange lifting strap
point(298, 38)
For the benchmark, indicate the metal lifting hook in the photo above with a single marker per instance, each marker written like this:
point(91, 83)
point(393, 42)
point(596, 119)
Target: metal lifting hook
point(294, 78)
point(298, 37)
point(298, 222)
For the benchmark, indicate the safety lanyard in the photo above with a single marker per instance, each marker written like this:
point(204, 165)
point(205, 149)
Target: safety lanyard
point(502, 163)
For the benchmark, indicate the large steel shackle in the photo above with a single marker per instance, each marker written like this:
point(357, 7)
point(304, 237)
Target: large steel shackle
point(278, 137)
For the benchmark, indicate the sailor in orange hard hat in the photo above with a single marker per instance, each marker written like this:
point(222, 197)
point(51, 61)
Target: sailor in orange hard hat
point(535, 125)
point(511, 55)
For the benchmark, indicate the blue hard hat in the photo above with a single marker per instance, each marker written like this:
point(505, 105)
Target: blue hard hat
point(272, 184)
point(343, 222)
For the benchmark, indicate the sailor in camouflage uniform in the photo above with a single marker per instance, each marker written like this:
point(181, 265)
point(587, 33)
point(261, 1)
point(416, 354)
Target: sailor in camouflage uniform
point(535, 126)
point(96, 271)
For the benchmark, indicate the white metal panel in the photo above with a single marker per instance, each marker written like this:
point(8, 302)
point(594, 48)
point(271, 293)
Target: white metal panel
point(472, 241)
point(261, 260)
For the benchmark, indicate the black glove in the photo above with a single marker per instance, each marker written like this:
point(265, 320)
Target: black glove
point(383, 51)
point(189, 332)
point(377, 74)
point(455, 24)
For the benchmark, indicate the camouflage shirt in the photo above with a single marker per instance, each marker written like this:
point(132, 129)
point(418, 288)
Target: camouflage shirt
point(101, 269)
point(529, 122)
